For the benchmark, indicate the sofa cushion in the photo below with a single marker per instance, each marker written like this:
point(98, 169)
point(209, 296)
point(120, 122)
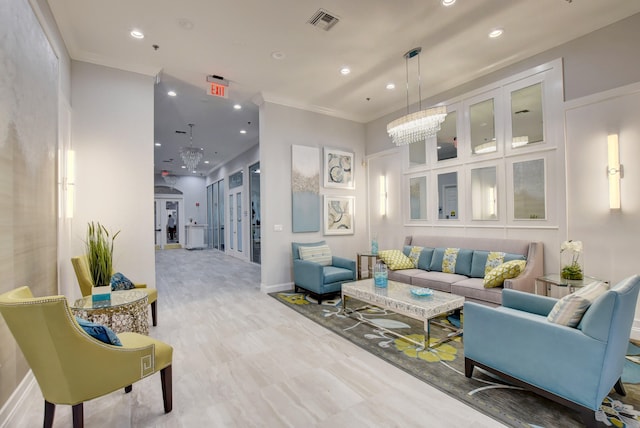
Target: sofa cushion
point(437, 280)
point(508, 270)
point(570, 309)
point(320, 254)
point(395, 259)
point(414, 255)
point(403, 275)
point(479, 263)
point(474, 289)
point(424, 261)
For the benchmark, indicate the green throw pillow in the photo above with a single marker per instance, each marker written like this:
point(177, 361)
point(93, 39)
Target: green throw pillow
point(508, 270)
point(395, 259)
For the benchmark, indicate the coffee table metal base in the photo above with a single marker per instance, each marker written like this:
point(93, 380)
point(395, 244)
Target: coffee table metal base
point(397, 297)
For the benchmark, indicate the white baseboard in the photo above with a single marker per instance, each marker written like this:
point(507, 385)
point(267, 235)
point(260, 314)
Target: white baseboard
point(9, 409)
point(276, 287)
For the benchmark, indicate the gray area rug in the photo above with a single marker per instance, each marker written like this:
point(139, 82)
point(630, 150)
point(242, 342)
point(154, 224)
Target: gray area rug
point(443, 366)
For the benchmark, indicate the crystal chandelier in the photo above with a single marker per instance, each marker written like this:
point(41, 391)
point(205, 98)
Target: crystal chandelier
point(418, 126)
point(191, 156)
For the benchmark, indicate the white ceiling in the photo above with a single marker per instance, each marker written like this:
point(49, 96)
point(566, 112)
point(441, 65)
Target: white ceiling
point(236, 38)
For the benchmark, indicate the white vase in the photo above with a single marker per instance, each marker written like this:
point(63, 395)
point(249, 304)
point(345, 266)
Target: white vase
point(101, 293)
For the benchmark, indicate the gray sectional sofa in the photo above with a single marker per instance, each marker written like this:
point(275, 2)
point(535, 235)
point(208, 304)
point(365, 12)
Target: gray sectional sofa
point(468, 279)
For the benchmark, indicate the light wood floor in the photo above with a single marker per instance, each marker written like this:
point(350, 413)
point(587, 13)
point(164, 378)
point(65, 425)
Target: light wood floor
point(241, 359)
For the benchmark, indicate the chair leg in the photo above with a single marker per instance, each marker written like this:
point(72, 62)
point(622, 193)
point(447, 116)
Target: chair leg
point(468, 367)
point(49, 413)
point(619, 387)
point(78, 416)
point(154, 313)
point(167, 388)
point(128, 389)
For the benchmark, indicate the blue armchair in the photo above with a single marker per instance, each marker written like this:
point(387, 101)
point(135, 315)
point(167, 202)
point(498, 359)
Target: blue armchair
point(317, 279)
point(576, 367)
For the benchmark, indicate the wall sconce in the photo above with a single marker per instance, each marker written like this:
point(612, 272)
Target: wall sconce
point(383, 195)
point(615, 171)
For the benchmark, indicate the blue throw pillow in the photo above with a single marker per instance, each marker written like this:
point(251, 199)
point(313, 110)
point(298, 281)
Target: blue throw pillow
point(121, 282)
point(100, 332)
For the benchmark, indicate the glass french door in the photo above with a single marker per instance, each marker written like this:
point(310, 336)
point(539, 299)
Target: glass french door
point(215, 199)
point(168, 223)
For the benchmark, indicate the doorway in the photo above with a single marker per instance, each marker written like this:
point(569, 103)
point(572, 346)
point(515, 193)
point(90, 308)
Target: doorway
point(235, 209)
point(215, 198)
point(168, 224)
point(254, 192)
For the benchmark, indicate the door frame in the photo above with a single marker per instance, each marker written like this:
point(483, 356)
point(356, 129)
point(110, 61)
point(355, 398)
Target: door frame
point(158, 201)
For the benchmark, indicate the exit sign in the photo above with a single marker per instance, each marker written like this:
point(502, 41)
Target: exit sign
point(217, 90)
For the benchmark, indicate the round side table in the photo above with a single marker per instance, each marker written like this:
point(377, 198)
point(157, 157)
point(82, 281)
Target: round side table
point(126, 311)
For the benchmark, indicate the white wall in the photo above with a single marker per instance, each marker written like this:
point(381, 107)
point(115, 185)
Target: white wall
point(280, 128)
point(194, 192)
point(112, 135)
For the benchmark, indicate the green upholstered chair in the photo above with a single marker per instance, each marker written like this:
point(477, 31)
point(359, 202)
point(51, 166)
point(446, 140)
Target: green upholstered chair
point(81, 267)
point(72, 367)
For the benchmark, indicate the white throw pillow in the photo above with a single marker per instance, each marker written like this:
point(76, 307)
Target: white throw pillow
point(570, 309)
point(320, 254)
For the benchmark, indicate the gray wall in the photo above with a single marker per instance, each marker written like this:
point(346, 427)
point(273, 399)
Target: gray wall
point(280, 128)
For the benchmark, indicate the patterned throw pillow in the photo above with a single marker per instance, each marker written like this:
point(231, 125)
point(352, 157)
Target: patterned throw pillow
point(570, 309)
point(508, 270)
point(395, 259)
point(494, 259)
point(100, 332)
point(449, 260)
point(414, 255)
point(320, 254)
point(121, 282)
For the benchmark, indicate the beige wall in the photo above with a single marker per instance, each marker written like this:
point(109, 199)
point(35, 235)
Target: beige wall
point(280, 128)
point(28, 142)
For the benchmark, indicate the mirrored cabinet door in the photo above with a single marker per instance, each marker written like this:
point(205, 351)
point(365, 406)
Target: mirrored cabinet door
point(484, 193)
point(529, 200)
point(448, 196)
point(417, 154)
point(447, 138)
point(527, 125)
point(418, 198)
point(482, 127)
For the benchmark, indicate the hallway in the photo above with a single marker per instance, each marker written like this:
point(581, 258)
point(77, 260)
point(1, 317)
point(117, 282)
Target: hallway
point(241, 359)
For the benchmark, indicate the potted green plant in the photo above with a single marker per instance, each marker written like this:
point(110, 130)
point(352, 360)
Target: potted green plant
point(99, 249)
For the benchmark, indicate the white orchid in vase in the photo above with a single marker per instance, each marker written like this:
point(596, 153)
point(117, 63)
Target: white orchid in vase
point(570, 252)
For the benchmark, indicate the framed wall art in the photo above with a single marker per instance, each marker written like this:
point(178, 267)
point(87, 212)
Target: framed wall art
point(338, 168)
point(339, 215)
point(305, 189)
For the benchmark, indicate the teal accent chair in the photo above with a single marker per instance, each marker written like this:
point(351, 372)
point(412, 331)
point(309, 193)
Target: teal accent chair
point(576, 367)
point(320, 281)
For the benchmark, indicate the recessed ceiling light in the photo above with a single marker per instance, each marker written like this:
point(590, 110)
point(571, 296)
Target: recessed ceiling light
point(496, 32)
point(183, 167)
point(237, 106)
point(391, 86)
point(448, 2)
point(345, 70)
point(158, 144)
point(277, 55)
point(172, 93)
point(137, 34)
point(193, 172)
point(206, 162)
point(243, 131)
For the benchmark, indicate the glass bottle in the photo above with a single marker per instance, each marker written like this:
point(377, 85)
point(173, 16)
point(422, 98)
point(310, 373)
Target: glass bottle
point(380, 274)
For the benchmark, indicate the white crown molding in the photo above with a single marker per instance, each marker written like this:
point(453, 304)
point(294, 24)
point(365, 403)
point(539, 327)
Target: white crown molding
point(100, 60)
point(271, 98)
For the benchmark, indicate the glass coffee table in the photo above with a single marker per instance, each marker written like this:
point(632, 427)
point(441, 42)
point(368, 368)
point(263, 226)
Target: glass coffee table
point(397, 297)
point(126, 311)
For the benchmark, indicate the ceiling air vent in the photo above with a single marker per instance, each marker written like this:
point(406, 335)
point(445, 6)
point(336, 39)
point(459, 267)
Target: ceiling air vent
point(323, 20)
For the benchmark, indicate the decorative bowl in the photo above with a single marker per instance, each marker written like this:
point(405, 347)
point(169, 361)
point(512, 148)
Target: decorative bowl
point(422, 292)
